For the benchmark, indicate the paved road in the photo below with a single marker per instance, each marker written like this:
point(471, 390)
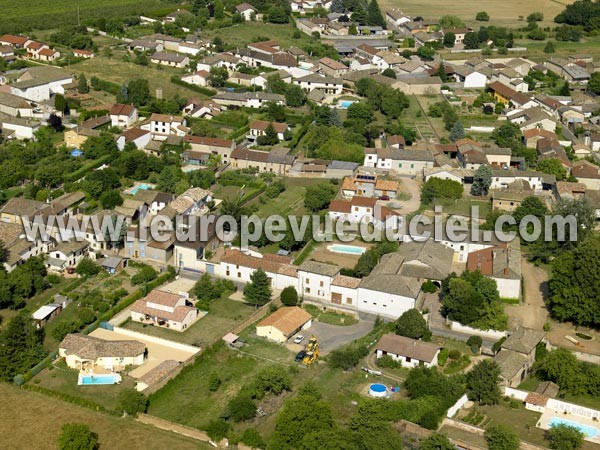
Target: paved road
point(333, 336)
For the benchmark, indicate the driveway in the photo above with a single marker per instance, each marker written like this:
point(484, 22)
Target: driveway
point(532, 313)
point(332, 337)
point(413, 188)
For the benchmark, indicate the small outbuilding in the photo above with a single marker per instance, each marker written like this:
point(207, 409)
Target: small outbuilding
point(284, 323)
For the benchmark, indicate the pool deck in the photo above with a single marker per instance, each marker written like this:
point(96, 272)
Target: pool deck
point(157, 353)
point(322, 254)
point(548, 414)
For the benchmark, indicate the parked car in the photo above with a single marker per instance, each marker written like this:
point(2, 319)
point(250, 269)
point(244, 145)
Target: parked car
point(298, 339)
point(384, 197)
point(300, 356)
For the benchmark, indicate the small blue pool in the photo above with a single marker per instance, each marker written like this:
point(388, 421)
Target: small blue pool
point(378, 390)
point(587, 430)
point(90, 380)
point(347, 249)
point(76, 153)
point(345, 104)
point(143, 187)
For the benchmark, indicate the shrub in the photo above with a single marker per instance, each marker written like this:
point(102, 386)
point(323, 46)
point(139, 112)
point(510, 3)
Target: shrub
point(443, 356)
point(214, 382)
point(347, 357)
point(429, 287)
point(240, 408)
point(145, 274)
point(289, 296)
point(454, 354)
point(132, 402)
point(387, 362)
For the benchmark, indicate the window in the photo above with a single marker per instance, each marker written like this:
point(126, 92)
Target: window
point(408, 359)
point(239, 275)
point(307, 281)
point(349, 300)
point(320, 284)
point(307, 290)
point(412, 166)
point(227, 272)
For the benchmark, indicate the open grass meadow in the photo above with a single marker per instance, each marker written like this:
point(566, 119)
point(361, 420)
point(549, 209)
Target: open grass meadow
point(19, 16)
point(117, 70)
point(33, 420)
point(509, 13)
point(242, 34)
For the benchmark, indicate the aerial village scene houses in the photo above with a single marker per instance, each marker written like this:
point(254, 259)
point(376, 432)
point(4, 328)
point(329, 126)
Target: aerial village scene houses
point(283, 225)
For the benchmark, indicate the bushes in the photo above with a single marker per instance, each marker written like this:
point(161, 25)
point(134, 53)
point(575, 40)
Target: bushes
point(240, 408)
point(387, 362)
point(132, 402)
point(439, 189)
point(200, 89)
point(207, 290)
point(443, 356)
point(87, 267)
point(145, 274)
point(347, 357)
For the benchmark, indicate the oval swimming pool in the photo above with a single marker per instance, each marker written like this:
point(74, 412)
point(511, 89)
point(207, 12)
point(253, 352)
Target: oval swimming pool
point(378, 390)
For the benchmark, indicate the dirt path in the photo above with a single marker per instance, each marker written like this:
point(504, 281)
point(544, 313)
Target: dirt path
point(414, 189)
point(531, 313)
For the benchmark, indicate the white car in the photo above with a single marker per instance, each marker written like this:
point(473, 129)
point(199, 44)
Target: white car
point(298, 339)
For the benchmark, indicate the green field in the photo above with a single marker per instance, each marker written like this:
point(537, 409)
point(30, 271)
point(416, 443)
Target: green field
point(242, 34)
point(32, 420)
point(117, 70)
point(20, 16)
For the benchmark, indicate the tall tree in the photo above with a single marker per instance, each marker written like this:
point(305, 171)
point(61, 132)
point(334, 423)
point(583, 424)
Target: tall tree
point(482, 180)
point(258, 290)
point(22, 346)
point(412, 324)
point(575, 284)
point(77, 436)
point(483, 382)
point(82, 84)
point(457, 132)
point(502, 437)
point(565, 437)
point(359, 15)
point(374, 16)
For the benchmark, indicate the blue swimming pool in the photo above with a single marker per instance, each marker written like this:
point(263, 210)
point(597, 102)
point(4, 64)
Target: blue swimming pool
point(587, 430)
point(347, 249)
point(88, 380)
point(143, 187)
point(346, 104)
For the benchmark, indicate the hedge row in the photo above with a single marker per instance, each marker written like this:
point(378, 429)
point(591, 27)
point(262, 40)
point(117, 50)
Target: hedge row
point(70, 398)
point(202, 90)
point(79, 173)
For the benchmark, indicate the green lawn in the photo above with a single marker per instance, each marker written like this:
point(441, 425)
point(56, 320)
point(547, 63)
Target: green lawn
point(224, 314)
point(330, 317)
point(64, 380)
point(289, 202)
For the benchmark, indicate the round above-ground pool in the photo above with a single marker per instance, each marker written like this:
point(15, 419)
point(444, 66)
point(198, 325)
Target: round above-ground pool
point(378, 390)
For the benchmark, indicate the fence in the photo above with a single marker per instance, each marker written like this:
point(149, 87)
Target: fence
point(490, 334)
point(174, 427)
point(457, 406)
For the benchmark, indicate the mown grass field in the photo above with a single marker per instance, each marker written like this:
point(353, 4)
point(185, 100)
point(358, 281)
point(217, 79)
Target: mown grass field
point(117, 70)
point(32, 420)
point(505, 14)
point(28, 14)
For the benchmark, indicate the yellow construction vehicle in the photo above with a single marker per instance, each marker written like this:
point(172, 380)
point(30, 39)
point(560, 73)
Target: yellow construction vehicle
point(312, 351)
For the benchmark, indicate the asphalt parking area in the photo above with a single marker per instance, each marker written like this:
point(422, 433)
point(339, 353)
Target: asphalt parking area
point(332, 337)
